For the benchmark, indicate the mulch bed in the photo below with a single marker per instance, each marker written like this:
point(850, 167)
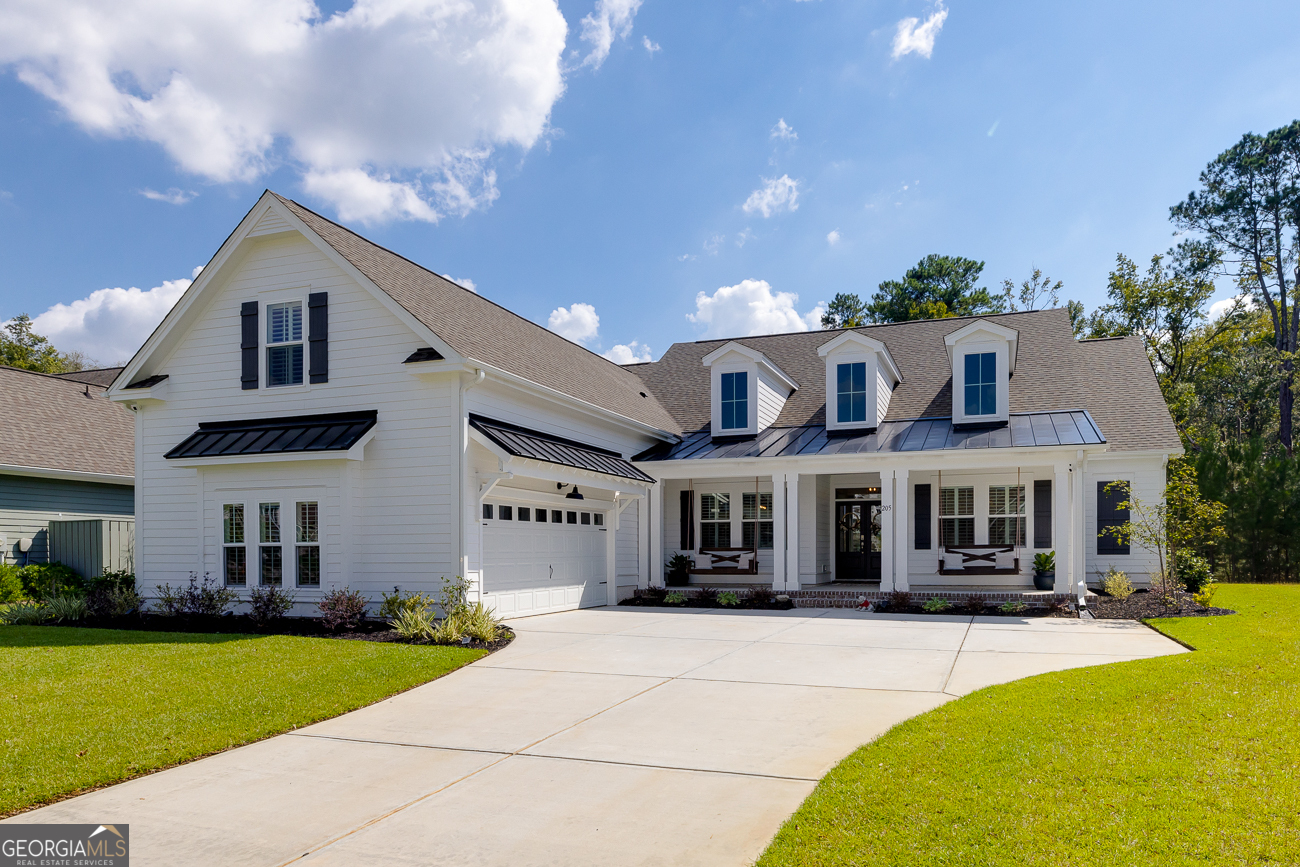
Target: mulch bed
point(311, 627)
point(1144, 604)
point(696, 599)
point(987, 611)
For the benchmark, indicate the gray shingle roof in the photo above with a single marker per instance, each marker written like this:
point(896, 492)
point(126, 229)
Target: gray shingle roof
point(57, 423)
point(102, 376)
point(479, 329)
point(1110, 379)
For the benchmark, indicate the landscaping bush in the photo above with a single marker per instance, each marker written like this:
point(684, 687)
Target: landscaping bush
point(454, 595)
point(762, 594)
point(1116, 583)
point(675, 598)
point(1192, 569)
point(395, 603)
point(267, 604)
point(412, 624)
point(900, 600)
point(23, 614)
point(728, 599)
point(653, 594)
point(708, 595)
point(342, 608)
point(1013, 608)
point(934, 606)
point(976, 603)
point(42, 580)
point(65, 608)
point(480, 622)
point(449, 630)
point(11, 584)
point(169, 601)
point(112, 580)
point(113, 601)
point(1205, 594)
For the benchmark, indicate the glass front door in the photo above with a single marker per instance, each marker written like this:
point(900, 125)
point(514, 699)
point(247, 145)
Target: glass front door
point(857, 541)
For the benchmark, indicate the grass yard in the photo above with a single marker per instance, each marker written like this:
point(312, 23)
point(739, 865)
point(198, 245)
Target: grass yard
point(1188, 759)
point(86, 707)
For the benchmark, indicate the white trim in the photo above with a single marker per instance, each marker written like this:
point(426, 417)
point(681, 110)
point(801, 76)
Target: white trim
point(868, 344)
point(755, 357)
point(66, 475)
point(999, 332)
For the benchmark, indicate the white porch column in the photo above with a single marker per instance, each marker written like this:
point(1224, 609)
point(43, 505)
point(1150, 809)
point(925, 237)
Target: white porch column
point(888, 533)
point(1077, 522)
point(780, 528)
point(656, 576)
point(1062, 530)
point(899, 538)
point(791, 531)
point(644, 543)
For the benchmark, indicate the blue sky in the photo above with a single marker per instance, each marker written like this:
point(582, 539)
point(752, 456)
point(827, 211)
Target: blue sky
point(1048, 135)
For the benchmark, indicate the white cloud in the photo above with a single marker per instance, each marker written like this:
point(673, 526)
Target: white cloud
point(1218, 308)
point(390, 110)
point(173, 196)
point(579, 323)
point(744, 237)
point(833, 237)
point(109, 325)
point(713, 243)
point(610, 20)
point(463, 282)
point(913, 37)
point(776, 195)
point(784, 131)
point(750, 307)
point(629, 353)
point(651, 47)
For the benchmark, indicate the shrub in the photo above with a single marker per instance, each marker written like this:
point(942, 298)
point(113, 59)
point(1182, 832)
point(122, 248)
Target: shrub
point(762, 594)
point(454, 596)
point(1204, 596)
point(900, 600)
point(113, 601)
point(111, 580)
point(934, 606)
point(675, 598)
point(42, 580)
point(169, 601)
point(708, 595)
point(395, 603)
point(728, 599)
point(342, 608)
point(655, 595)
point(448, 631)
point(65, 607)
point(412, 624)
point(266, 604)
point(975, 603)
point(1013, 608)
point(11, 584)
point(1116, 583)
point(207, 599)
point(1192, 569)
point(23, 614)
point(480, 623)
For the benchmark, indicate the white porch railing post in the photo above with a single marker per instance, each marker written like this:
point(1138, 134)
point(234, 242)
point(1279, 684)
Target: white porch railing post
point(1062, 532)
point(656, 576)
point(792, 531)
point(780, 526)
point(1079, 575)
point(899, 538)
point(887, 531)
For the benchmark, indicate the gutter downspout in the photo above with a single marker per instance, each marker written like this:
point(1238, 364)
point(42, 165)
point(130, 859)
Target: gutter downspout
point(463, 467)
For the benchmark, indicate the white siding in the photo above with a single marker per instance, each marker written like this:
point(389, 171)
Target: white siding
point(883, 391)
point(627, 548)
point(1146, 477)
point(771, 398)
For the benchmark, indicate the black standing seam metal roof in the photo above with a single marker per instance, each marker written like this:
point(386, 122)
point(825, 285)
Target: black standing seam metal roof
point(1025, 430)
point(537, 446)
point(304, 433)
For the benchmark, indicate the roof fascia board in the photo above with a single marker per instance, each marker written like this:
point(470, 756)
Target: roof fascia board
point(1002, 332)
point(66, 475)
point(753, 355)
point(352, 454)
point(870, 343)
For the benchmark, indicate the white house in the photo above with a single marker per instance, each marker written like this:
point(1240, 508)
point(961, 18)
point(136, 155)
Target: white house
point(317, 411)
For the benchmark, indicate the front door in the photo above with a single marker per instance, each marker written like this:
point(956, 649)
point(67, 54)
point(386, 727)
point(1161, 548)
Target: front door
point(857, 541)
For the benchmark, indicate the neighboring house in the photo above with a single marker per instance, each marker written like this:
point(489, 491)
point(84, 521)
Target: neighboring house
point(67, 454)
point(317, 411)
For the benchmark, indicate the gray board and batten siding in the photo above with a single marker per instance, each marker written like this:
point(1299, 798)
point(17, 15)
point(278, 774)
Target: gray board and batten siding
point(94, 546)
point(28, 504)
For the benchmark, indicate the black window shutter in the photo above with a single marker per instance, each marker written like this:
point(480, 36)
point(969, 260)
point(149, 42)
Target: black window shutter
point(923, 517)
point(687, 538)
point(1109, 514)
point(318, 369)
point(1042, 513)
point(248, 344)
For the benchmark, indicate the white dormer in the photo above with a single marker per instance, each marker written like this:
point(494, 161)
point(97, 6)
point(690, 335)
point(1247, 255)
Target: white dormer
point(860, 377)
point(983, 356)
point(748, 390)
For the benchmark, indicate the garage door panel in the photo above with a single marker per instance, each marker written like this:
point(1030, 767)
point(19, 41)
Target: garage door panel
point(531, 568)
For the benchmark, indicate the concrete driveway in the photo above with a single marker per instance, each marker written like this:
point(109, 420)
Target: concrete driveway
point(600, 737)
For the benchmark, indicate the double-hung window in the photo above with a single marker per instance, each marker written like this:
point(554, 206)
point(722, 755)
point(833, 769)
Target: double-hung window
point(735, 401)
point(981, 383)
point(308, 545)
point(284, 343)
point(956, 516)
point(1007, 515)
point(232, 538)
point(1112, 518)
point(715, 520)
point(756, 513)
point(272, 555)
point(851, 392)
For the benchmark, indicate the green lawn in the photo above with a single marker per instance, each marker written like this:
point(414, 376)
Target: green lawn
point(85, 707)
point(1189, 759)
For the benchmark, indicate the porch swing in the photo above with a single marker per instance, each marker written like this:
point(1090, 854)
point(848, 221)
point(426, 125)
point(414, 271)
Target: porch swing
point(989, 559)
point(732, 560)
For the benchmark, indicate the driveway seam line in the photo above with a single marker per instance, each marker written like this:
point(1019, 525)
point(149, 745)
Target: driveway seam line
point(957, 656)
point(669, 767)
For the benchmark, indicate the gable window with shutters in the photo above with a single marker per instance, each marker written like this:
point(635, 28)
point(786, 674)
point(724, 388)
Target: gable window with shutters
point(284, 344)
point(1112, 514)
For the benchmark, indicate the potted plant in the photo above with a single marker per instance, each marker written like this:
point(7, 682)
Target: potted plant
point(1045, 570)
point(679, 571)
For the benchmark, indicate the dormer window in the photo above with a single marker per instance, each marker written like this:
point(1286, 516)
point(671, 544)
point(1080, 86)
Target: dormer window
point(735, 400)
point(284, 343)
point(851, 392)
point(981, 383)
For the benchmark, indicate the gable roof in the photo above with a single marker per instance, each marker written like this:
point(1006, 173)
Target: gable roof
point(1110, 379)
point(58, 424)
point(102, 376)
point(479, 329)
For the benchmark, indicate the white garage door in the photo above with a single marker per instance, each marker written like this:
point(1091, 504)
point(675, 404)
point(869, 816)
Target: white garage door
point(533, 566)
